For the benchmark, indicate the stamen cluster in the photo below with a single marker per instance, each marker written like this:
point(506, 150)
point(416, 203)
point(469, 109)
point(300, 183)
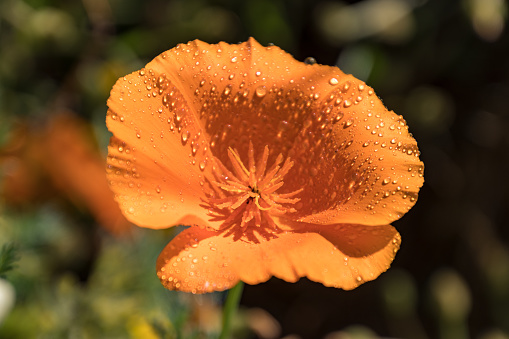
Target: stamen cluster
point(249, 195)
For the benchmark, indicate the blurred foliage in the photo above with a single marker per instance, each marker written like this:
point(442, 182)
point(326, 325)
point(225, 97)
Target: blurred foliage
point(8, 258)
point(118, 295)
point(443, 65)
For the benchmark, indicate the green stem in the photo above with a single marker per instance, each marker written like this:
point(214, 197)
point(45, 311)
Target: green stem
point(230, 308)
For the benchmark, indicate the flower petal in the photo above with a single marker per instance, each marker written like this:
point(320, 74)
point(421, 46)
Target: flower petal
point(57, 157)
point(78, 169)
point(361, 163)
point(342, 256)
point(248, 93)
point(157, 155)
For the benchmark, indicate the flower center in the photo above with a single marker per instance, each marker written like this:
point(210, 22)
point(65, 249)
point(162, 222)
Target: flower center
point(248, 196)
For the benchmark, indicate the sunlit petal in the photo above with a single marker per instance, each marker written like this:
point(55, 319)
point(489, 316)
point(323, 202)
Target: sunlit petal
point(356, 161)
point(157, 156)
point(342, 256)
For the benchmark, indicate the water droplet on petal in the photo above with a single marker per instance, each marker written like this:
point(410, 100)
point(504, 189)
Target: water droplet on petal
point(261, 91)
point(185, 137)
point(310, 61)
point(333, 81)
point(338, 117)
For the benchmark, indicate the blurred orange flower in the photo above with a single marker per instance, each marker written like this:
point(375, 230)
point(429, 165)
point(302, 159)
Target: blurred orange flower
point(280, 168)
point(57, 158)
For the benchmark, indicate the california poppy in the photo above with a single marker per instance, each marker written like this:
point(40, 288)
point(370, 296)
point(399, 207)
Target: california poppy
point(281, 168)
point(54, 160)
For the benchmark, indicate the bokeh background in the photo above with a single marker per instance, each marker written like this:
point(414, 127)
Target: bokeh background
point(82, 271)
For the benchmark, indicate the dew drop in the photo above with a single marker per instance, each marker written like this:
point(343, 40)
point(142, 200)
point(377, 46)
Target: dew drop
point(310, 61)
point(194, 149)
point(333, 81)
point(261, 91)
point(338, 117)
point(185, 137)
point(234, 59)
point(166, 99)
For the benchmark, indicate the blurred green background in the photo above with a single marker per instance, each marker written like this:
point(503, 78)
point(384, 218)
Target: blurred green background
point(81, 273)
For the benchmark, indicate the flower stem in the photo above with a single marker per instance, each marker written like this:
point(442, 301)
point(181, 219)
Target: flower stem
point(230, 308)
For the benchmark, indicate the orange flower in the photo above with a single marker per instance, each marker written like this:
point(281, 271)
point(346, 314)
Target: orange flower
point(280, 168)
point(56, 159)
